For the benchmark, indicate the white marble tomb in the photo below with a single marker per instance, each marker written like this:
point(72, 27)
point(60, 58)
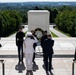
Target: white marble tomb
point(38, 19)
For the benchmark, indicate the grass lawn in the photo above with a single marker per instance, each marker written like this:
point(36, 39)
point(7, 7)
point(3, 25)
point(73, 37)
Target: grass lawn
point(67, 34)
point(53, 35)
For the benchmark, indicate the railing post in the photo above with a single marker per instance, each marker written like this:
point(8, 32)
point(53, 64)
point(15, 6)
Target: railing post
point(73, 68)
point(3, 67)
point(74, 61)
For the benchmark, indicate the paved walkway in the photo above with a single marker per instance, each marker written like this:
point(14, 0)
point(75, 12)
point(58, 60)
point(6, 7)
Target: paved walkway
point(61, 66)
point(64, 49)
point(59, 34)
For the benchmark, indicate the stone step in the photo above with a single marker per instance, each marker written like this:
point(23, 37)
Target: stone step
point(40, 56)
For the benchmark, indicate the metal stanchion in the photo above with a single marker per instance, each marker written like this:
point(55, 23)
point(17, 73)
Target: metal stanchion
point(74, 61)
point(73, 68)
point(3, 67)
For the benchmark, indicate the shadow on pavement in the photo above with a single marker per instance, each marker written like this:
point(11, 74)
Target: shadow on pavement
point(35, 66)
point(20, 67)
point(48, 72)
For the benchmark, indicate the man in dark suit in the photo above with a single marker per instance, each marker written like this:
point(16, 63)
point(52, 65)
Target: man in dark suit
point(48, 52)
point(42, 41)
point(19, 42)
point(43, 38)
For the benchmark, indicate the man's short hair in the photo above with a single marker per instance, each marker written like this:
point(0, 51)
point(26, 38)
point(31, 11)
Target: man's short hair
point(45, 31)
point(49, 35)
point(20, 27)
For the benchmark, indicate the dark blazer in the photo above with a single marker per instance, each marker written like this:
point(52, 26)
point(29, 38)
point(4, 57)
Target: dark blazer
point(48, 46)
point(19, 38)
point(42, 39)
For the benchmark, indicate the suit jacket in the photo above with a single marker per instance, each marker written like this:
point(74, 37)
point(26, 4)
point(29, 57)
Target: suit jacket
point(42, 39)
point(48, 46)
point(19, 38)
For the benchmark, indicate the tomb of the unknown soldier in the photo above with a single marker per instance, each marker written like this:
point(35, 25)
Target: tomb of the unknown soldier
point(38, 20)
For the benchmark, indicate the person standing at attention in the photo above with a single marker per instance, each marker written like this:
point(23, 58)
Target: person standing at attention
point(42, 41)
point(28, 50)
point(48, 52)
point(19, 43)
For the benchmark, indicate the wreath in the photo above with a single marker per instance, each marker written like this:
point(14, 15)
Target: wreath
point(36, 33)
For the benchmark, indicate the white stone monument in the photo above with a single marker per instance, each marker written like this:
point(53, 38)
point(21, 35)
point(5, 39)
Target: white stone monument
point(38, 19)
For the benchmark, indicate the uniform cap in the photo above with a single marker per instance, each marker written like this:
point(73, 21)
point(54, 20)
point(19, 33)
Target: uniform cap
point(28, 34)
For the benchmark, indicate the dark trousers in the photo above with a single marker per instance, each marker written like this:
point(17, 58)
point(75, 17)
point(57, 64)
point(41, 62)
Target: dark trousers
point(33, 56)
point(34, 46)
point(20, 53)
point(48, 62)
point(43, 57)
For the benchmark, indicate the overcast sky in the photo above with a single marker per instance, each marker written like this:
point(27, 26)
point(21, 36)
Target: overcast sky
point(36, 0)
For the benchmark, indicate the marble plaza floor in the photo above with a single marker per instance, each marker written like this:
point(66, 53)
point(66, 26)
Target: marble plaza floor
point(64, 49)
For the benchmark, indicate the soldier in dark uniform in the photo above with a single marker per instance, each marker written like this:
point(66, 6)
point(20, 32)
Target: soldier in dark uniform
point(19, 42)
point(48, 51)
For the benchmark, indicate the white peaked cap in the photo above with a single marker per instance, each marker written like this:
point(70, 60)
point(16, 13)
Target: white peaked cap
point(28, 34)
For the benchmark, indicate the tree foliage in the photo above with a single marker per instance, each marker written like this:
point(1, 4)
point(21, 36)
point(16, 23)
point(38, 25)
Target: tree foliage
point(10, 20)
point(66, 21)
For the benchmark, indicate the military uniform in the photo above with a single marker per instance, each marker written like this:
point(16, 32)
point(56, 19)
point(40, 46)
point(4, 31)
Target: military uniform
point(19, 42)
point(28, 51)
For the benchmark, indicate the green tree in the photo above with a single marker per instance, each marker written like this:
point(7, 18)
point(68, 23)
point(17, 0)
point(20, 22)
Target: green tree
point(66, 21)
